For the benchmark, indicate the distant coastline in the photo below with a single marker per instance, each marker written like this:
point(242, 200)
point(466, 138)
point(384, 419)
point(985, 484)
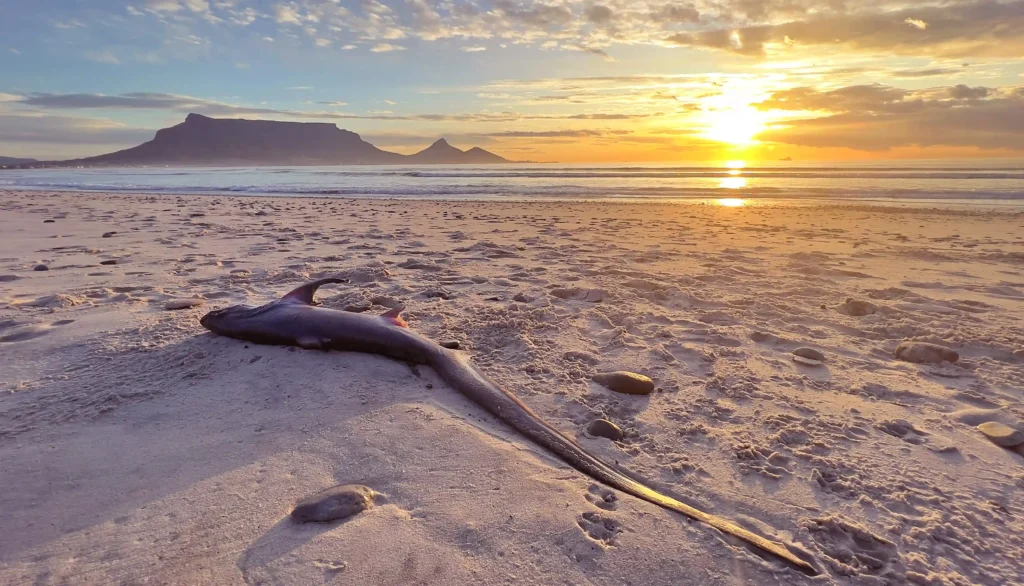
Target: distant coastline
point(201, 141)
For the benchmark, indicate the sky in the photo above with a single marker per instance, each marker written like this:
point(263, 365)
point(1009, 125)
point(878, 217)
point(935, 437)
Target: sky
point(541, 80)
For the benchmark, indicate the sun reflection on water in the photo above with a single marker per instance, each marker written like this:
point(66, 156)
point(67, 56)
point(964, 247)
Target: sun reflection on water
point(731, 202)
point(732, 183)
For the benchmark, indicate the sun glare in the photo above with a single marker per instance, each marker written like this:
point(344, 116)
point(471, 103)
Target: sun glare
point(737, 126)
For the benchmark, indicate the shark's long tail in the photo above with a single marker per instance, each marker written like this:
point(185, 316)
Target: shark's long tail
point(461, 374)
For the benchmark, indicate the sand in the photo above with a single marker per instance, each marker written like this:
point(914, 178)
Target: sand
point(135, 447)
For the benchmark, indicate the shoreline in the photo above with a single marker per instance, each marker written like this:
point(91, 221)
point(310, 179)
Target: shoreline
point(137, 446)
point(1011, 207)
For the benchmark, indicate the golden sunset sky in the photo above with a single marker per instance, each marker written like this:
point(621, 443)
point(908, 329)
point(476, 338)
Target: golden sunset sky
point(601, 81)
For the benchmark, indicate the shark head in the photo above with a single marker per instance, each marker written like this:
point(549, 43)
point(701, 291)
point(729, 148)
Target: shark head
point(230, 320)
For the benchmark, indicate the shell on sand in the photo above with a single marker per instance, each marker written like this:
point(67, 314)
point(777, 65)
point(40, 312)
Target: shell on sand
point(183, 303)
point(337, 502)
point(1002, 435)
point(925, 353)
point(622, 381)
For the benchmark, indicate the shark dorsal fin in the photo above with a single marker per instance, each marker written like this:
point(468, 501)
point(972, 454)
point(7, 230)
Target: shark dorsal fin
point(395, 316)
point(304, 294)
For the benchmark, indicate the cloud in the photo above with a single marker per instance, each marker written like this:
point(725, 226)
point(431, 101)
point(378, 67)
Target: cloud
point(933, 72)
point(14, 51)
point(556, 133)
point(102, 56)
point(323, 43)
point(598, 14)
point(63, 130)
point(473, 49)
point(334, 104)
point(286, 14)
point(140, 101)
point(981, 28)
point(879, 118)
point(185, 104)
point(963, 92)
point(386, 48)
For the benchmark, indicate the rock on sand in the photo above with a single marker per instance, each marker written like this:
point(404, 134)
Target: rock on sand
point(858, 308)
point(1002, 435)
point(605, 428)
point(808, 356)
point(337, 502)
point(622, 381)
point(925, 353)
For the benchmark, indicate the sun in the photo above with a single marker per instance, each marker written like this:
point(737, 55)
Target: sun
point(736, 126)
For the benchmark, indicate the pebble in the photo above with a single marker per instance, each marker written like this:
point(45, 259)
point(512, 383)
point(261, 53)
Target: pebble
point(108, 262)
point(49, 221)
point(108, 234)
point(858, 308)
point(183, 303)
point(452, 344)
point(1002, 435)
point(337, 502)
point(605, 428)
point(925, 353)
point(523, 298)
point(806, 361)
point(621, 381)
point(40, 268)
point(1018, 354)
point(810, 353)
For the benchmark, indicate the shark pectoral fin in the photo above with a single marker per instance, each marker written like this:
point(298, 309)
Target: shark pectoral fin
point(395, 317)
point(312, 343)
point(304, 294)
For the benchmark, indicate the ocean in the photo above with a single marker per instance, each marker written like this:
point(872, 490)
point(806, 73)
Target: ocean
point(971, 183)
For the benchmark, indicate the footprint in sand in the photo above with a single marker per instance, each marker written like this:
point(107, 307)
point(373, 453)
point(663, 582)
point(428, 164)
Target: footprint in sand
point(851, 549)
point(602, 497)
point(600, 528)
point(12, 331)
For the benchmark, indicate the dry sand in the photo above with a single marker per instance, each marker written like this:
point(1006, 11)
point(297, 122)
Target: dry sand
point(137, 448)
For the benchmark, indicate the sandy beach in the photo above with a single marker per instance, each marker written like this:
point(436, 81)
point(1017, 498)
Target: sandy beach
point(136, 447)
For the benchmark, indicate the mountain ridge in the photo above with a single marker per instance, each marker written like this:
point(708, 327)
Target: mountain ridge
point(202, 140)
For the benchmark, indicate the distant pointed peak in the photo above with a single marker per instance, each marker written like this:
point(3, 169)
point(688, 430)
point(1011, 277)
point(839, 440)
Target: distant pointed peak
point(440, 142)
point(193, 117)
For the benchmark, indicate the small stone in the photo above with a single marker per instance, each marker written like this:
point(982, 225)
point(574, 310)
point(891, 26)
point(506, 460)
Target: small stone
point(1019, 354)
point(338, 502)
point(108, 262)
point(1002, 435)
point(451, 344)
point(578, 294)
point(806, 361)
point(108, 234)
point(49, 221)
point(40, 268)
point(858, 308)
point(810, 353)
point(925, 353)
point(604, 428)
point(523, 298)
point(183, 303)
point(629, 383)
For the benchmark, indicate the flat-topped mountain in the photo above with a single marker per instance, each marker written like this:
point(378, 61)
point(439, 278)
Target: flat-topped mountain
point(15, 161)
point(201, 140)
